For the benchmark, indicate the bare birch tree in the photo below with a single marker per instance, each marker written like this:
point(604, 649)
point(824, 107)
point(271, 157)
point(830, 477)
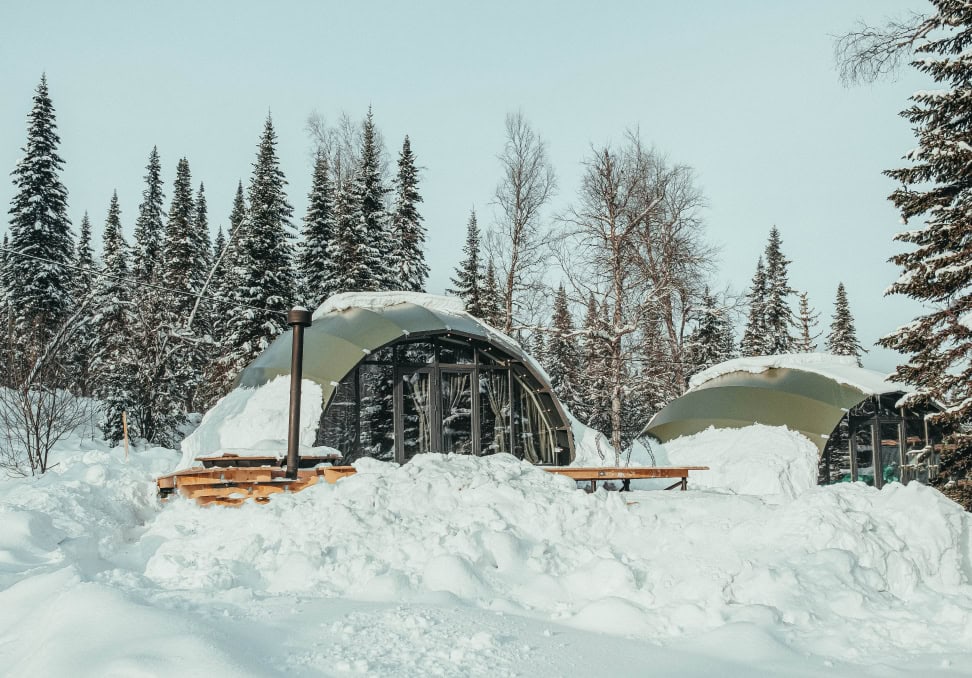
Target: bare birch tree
point(634, 242)
point(518, 241)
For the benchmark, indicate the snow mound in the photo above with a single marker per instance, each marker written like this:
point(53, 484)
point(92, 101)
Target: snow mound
point(380, 300)
point(842, 369)
point(253, 422)
point(473, 566)
point(767, 461)
point(836, 569)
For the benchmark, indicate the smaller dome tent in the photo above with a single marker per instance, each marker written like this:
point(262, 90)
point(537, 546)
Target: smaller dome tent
point(399, 373)
point(848, 412)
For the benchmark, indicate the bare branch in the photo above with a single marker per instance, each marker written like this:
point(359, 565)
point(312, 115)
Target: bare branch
point(869, 53)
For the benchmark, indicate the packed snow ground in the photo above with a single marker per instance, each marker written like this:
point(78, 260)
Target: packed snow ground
point(458, 566)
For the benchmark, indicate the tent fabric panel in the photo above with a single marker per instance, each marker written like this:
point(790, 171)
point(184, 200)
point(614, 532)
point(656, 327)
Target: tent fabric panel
point(808, 384)
point(697, 410)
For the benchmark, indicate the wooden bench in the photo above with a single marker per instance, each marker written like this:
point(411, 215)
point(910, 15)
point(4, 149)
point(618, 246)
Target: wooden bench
point(235, 460)
point(626, 474)
point(226, 484)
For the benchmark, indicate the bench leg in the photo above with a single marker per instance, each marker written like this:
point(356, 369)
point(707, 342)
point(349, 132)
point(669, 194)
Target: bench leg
point(684, 483)
point(626, 485)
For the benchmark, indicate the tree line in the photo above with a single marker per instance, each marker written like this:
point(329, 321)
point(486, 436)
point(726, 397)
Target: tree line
point(611, 295)
point(162, 326)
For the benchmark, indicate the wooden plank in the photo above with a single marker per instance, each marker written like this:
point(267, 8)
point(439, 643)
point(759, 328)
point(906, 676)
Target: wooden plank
point(627, 473)
point(335, 473)
point(236, 461)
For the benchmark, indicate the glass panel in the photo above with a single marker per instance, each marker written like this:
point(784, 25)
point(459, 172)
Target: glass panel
point(339, 421)
point(890, 453)
point(377, 411)
point(416, 414)
point(486, 359)
point(457, 435)
point(382, 355)
point(534, 438)
point(455, 353)
point(420, 352)
point(494, 412)
point(865, 456)
point(835, 461)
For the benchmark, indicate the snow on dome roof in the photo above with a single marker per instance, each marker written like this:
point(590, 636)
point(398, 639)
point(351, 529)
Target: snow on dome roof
point(380, 300)
point(842, 369)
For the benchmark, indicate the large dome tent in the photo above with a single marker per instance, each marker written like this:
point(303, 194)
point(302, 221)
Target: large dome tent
point(847, 411)
point(400, 373)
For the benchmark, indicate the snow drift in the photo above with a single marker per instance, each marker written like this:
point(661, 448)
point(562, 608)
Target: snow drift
point(468, 566)
point(768, 461)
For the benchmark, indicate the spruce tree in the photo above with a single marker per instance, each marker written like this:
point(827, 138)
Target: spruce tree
point(710, 343)
point(369, 192)
point(595, 410)
point(777, 312)
point(237, 225)
point(754, 339)
point(263, 263)
point(150, 226)
point(82, 341)
point(203, 322)
point(490, 300)
point(352, 257)
point(467, 280)
point(39, 291)
point(806, 342)
point(935, 190)
point(842, 339)
point(562, 355)
point(315, 268)
point(114, 362)
point(185, 251)
point(409, 270)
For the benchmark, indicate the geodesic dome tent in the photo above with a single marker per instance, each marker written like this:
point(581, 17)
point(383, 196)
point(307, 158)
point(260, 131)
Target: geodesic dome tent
point(849, 413)
point(407, 373)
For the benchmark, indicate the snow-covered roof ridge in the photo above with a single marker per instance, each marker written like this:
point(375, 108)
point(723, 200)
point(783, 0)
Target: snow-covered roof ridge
point(380, 300)
point(842, 369)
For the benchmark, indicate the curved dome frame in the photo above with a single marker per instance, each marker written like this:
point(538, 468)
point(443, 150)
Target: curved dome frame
point(338, 341)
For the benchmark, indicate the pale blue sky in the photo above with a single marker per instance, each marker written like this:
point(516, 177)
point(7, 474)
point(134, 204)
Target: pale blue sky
point(745, 92)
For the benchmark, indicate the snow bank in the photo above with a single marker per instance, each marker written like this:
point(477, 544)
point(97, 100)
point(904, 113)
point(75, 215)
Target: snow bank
point(464, 566)
point(768, 461)
point(380, 300)
point(253, 421)
point(842, 369)
point(847, 571)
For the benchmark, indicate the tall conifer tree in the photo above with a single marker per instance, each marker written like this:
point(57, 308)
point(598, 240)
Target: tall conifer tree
point(369, 192)
point(81, 344)
point(150, 225)
point(842, 339)
point(754, 339)
point(490, 300)
point(353, 267)
point(806, 342)
point(314, 263)
point(468, 278)
point(562, 354)
point(409, 270)
point(936, 190)
point(711, 341)
point(263, 263)
point(114, 362)
point(777, 312)
point(39, 292)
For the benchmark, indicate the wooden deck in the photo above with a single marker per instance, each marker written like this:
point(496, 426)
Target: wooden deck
point(223, 484)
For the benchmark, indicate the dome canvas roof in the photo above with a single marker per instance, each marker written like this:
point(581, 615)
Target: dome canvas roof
point(808, 393)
